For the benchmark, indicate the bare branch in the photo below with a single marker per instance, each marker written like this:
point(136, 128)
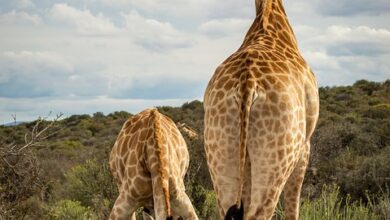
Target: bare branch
point(14, 118)
point(37, 135)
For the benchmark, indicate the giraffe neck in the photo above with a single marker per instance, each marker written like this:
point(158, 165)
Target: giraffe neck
point(271, 20)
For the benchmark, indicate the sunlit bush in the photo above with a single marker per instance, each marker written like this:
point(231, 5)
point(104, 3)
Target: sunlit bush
point(70, 210)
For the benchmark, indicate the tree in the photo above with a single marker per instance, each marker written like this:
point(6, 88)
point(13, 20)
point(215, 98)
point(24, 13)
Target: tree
point(20, 173)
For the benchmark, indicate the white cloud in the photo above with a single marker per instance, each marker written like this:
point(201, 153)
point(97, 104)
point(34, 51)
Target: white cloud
point(35, 61)
point(47, 74)
point(154, 34)
point(19, 17)
point(83, 20)
point(360, 33)
point(342, 54)
point(187, 10)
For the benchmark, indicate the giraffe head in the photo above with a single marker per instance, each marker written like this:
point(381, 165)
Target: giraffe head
point(191, 133)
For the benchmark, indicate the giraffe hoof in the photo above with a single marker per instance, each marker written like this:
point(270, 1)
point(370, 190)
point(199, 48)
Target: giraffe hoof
point(235, 213)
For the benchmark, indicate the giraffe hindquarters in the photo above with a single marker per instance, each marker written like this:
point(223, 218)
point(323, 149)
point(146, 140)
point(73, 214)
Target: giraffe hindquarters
point(292, 189)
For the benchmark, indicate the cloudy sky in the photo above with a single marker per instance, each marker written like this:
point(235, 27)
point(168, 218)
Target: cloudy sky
point(84, 56)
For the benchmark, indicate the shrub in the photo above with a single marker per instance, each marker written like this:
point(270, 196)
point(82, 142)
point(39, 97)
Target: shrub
point(70, 210)
point(92, 184)
point(371, 175)
point(204, 202)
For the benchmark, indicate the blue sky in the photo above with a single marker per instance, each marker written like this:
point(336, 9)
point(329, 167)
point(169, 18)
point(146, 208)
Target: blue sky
point(84, 56)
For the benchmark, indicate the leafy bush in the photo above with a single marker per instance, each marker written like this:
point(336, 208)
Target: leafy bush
point(92, 184)
point(204, 201)
point(371, 174)
point(70, 210)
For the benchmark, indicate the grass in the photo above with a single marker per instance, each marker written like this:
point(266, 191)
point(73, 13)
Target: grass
point(331, 206)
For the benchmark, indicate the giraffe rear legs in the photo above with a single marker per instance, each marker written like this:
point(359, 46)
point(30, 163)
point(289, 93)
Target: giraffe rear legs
point(123, 208)
point(292, 189)
point(182, 207)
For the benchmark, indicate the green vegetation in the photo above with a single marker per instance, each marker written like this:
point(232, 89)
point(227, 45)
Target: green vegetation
point(69, 210)
point(66, 176)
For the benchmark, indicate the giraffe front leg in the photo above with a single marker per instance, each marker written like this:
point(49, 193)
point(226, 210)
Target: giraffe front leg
point(123, 208)
point(292, 189)
point(182, 207)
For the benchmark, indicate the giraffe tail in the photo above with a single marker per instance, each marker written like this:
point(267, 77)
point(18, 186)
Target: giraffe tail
point(160, 154)
point(248, 92)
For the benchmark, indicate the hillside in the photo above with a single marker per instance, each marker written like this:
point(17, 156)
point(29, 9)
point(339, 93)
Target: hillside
point(68, 172)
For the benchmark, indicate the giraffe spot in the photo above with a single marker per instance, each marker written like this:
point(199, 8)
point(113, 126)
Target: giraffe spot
point(135, 128)
point(144, 134)
point(216, 121)
point(275, 111)
point(119, 211)
point(222, 123)
point(282, 66)
point(253, 54)
point(125, 147)
point(134, 193)
point(280, 154)
point(277, 126)
point(223, 110)
point(213, 134)
point(273, 97)
point(265, 69)
point(271, 79)
point(259, 212)
point(121, 167)
point(133, 157)
point(213, 112)
point(283, 106)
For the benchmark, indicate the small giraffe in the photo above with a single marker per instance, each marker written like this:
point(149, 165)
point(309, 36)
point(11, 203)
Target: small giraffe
point(261, 108)
point(149, 161)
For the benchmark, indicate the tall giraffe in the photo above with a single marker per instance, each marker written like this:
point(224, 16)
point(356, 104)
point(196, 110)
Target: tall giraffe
point(149, 161)
point(261, 108)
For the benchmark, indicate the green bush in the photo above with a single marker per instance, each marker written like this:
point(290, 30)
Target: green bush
point(204, 201)
point(70, 210)
point(92, 184)
point(370, 175)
